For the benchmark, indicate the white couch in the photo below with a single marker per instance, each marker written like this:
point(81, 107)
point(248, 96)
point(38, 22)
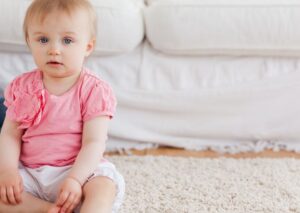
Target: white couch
point(219, 74)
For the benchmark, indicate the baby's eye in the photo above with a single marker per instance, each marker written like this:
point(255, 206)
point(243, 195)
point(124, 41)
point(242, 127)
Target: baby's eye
point(43, 40)
point(67, 41)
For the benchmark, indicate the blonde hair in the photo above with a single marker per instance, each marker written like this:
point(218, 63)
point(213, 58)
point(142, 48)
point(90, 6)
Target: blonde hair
point(39, 9)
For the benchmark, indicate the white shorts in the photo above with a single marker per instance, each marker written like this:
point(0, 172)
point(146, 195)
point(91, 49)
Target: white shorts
point(44, 182)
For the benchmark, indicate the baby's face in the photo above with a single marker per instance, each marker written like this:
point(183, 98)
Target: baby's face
point(60, 43)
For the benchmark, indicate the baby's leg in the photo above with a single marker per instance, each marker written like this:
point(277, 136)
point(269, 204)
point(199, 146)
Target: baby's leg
point(29, 204)
point(99, 195)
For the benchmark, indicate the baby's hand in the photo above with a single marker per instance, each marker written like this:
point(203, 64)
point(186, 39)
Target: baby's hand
point(69, 195)
point(11, 187)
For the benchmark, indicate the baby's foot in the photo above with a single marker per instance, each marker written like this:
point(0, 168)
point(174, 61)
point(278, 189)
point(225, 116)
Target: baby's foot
point(54, 209)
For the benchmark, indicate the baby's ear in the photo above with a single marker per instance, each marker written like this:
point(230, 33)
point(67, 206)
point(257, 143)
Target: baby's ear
point(90, 47)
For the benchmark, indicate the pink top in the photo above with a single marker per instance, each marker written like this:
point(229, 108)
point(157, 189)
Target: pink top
point(53, 124)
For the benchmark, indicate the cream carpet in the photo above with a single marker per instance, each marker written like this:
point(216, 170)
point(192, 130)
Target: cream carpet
point(175, 184)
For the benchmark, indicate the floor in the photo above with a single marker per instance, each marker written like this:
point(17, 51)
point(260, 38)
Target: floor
point(168, 151)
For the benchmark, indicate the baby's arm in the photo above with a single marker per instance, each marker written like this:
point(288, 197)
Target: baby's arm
point(92, 149)
point(10, 146)
point(91, 152)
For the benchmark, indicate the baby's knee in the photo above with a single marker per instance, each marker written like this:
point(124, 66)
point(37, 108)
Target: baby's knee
point(107, 186)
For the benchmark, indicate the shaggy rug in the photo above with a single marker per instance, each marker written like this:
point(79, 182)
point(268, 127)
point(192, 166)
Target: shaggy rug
point(176, 184)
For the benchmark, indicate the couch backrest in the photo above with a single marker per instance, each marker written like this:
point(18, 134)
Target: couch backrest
point(189, 27)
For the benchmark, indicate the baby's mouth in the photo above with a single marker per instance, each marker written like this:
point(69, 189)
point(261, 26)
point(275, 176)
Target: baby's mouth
point(54, 63)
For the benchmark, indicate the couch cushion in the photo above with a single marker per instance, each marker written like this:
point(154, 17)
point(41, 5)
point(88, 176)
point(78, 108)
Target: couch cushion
point(252, 27)
point(120, 25)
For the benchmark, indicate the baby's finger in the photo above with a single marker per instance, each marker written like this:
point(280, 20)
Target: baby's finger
point(68, 203)
point(77, 200)
point(10, 195)
point(63, 196)
point(71, 208)
point(17, 193)
point(75, 203)
point(3, 195)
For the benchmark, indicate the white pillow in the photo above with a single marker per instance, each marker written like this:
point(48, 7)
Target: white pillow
point(120, 25)
point(12, 13)
point(209, 27)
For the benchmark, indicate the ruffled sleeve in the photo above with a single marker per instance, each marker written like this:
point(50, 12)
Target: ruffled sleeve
point(25, 101)
point(100, 101)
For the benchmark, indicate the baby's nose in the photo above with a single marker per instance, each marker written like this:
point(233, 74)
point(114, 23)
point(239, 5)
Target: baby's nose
point(54, 51)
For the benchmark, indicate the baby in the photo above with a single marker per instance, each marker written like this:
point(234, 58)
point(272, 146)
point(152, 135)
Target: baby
point(53, 137)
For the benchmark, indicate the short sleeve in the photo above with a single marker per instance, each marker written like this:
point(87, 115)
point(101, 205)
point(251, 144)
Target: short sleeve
point(100, 101)
point(8, 94)
point(13, 100)
point(25, 100)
